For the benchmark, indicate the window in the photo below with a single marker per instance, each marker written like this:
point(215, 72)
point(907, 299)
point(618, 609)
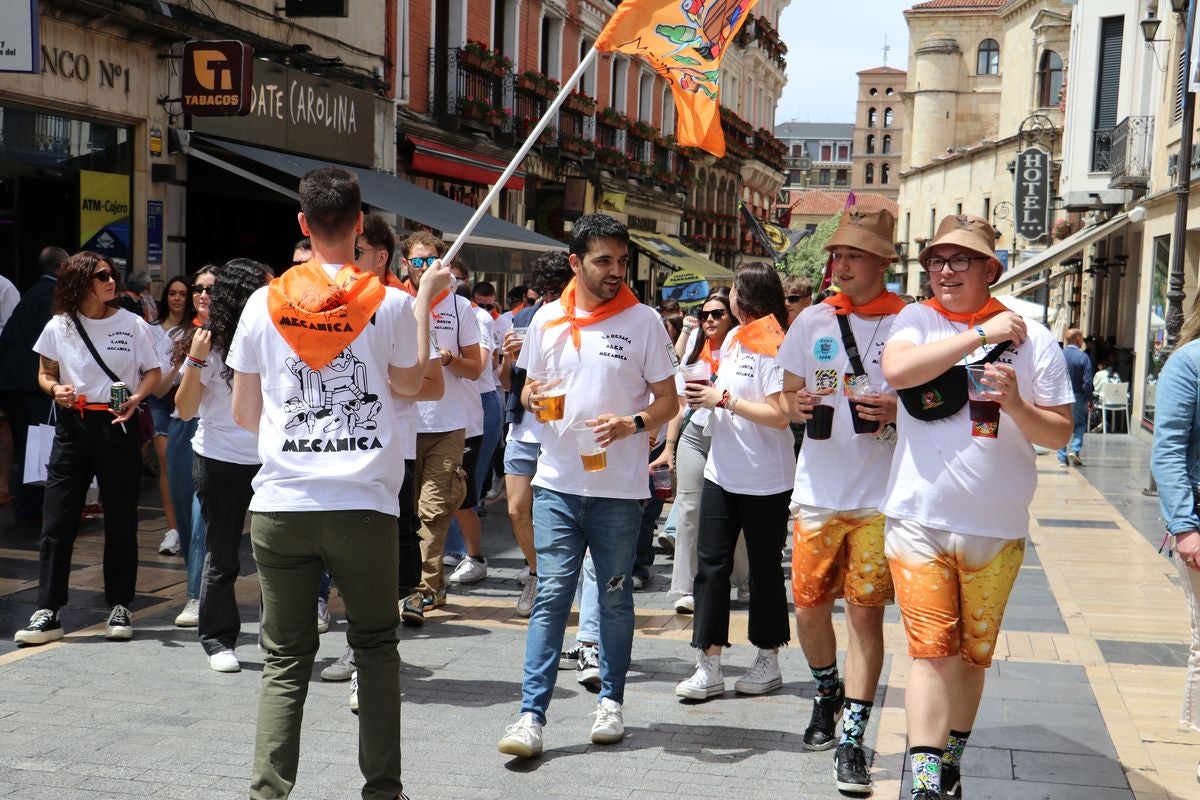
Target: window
point(827, 152)
point(843, 152)
point(890, 91)
point(505, 21)
point(885, 173)
point(798, 150)
point(1108, 88)
point(824, 178)
point(871, 143)
point(887, 144)
point(872, 117)
point(668, 112)
point(842, 178)
point(958, 210)
point(646, 96)
point(873, 91)
point(988, 62)
point(987, 208)
point(1050, 75)
point(587, 83)
point(870, 176)
point(620, 82)
point(1180, 87)
point(888, 118)
point(551, 41)
point(932, 221)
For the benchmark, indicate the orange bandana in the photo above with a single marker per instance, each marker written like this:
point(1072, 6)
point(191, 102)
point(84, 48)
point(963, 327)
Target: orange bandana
point(406, 286)
point(886, 304)
point(761, 336)
point(625, 299)
point(516, 309)
point(706, 355)
point(319, 317)
point(391, 280)
point(991, 307)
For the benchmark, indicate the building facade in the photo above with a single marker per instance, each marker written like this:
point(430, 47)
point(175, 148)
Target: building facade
point(878, 132)
point(819, 156)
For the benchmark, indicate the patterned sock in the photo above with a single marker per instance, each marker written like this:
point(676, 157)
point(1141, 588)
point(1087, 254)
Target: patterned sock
point(956, 742)
point(827, 679)
point(855, 716)
point(926, 766)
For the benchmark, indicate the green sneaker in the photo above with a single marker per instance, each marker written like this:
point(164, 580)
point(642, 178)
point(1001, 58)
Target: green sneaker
point(412, 611)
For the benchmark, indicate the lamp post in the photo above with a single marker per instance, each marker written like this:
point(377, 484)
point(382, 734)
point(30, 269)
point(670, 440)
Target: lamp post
point(1175, 294)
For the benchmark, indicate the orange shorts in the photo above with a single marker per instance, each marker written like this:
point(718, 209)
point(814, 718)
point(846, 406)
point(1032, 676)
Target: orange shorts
point(952, 588)
point(839, 554)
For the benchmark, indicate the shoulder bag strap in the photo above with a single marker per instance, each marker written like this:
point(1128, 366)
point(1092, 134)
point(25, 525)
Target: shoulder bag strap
point(850, 344)
point(92, 349)
point(997, 351)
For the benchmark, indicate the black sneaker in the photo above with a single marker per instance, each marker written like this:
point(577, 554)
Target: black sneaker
point(821, 731)
point(44, 626)
point(119, 626)
point(588, 671)
point(926, 794)
point(850, 769)
point(951, 781)
point(412, 611)
point(569, 659)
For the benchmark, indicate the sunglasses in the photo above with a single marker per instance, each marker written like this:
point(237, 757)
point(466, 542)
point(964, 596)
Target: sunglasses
point(717, 315)
point(794, 298)
point(198, 289)
point(419, 262)
point(556, 291)
point(487, 306)
point(104, 276)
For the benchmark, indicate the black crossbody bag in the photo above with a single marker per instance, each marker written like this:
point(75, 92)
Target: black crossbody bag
point(945, 395)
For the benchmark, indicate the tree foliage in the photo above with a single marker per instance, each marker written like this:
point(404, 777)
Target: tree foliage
point(809, 256)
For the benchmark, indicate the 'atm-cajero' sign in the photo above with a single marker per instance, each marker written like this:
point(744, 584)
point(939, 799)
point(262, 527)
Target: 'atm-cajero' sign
point(216, 78)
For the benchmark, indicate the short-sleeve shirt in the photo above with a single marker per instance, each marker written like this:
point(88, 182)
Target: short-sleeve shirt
point(610, 373)
point(328, 438)
point(123, 340)
point(454, 325)
point(942, 476)
point(217, 435)
point(847, 470)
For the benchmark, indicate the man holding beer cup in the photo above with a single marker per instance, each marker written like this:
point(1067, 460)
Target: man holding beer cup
point(601, 376)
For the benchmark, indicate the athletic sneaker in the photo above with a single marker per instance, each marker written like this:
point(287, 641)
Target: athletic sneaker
point(470, 570)
point(685, 605)
point(638, 583)
point(763, 676)
point(926, 794)
point(119, 626)
point(588, 670)
point(452, 560)
point(850, 770)
point(706, 682)
point(190, 616)
point(1075, 461)
point(609, 727)
point(523, 738)
point(44, 626)
point(437, 601)
point(666, 543)
point(951, 781)
point(821, 733)
point(528, 598)
point(412, 610)
point(523, 575)
point(569, 659)
point(342, 669)
point(354, 692)
point(323, 615)
point(743, 594)
point(225, 661)
point(169, 546)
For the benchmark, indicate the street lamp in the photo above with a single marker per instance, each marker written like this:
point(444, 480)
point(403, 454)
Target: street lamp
point(1179, 7)
point(1150, 27)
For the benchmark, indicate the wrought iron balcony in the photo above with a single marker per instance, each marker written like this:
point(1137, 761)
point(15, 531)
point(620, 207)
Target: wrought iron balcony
point(1102, 149)
point(475, 93)
point(1132, 145)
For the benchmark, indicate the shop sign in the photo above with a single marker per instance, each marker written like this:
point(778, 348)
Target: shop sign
point(216, 78)
point(104, 213)
point(301, 113)
point(154, 231)
point(317, 8)
point(19, 36)
point(1033, 193)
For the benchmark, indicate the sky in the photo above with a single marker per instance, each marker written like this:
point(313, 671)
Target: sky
point(828, 42)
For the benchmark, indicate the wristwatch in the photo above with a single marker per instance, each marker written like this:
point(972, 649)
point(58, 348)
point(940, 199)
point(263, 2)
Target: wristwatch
point(639, 423)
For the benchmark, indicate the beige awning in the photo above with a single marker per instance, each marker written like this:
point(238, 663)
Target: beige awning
point(1067, 248)
point(677, 256)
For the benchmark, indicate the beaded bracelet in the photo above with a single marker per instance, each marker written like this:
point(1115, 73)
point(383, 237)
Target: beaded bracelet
point(192, 361)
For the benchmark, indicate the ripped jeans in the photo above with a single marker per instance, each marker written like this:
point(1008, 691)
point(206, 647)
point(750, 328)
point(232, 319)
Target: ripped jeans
point(564, 527)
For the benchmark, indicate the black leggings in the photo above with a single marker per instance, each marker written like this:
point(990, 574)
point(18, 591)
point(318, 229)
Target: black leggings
point(223, 489)
point(764, 519)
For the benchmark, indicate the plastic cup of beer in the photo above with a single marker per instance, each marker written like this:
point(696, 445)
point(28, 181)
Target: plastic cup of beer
point(697, 372)
point(593, 454)
point(660, 481)
point(554, 395)
point(519, 333)
point(985, 411)
point(861, 392)
point(821, 425)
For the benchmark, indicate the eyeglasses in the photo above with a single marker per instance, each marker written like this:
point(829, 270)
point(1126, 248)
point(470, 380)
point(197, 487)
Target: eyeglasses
point(957, 263)
point(421, 262)
point(794, 298)
point(104, 276)
point(198, 289)
point(717, 314)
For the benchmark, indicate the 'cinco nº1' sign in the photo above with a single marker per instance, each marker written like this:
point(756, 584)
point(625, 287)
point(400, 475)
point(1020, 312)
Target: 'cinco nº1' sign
point(1033, 193)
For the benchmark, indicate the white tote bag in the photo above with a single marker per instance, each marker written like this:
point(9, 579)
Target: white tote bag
point(37, 451)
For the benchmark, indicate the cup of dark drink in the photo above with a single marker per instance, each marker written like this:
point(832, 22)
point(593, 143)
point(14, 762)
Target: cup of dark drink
point(861, 392)
point(697, 372)
point(821, 424)
point(985, 411)
point(660, 480)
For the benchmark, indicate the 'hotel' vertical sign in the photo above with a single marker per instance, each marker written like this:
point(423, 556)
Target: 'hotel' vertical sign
point(1033, 193)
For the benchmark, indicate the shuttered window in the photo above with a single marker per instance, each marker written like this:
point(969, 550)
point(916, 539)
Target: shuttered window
point(1180, 85)
point(1108, 72)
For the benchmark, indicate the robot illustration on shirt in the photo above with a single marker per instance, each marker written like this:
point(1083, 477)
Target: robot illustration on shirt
point(337, 392)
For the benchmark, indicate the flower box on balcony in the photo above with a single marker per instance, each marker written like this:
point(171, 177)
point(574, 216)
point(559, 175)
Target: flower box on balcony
point(576, 145)
point(613, 118)
point(578, 101)
point(644, 131)
point(531, 82)
point(610, 157)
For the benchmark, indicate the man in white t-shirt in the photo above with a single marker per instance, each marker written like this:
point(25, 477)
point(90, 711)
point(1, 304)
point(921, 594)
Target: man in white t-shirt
point(316, 356)
point(837, 549)
point(961, 482)
point(617, 369)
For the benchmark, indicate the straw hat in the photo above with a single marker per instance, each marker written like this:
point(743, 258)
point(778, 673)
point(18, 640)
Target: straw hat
point(968, 232)
point(870, 231)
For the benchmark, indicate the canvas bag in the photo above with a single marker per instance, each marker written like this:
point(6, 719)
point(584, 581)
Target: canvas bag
point(38, 445)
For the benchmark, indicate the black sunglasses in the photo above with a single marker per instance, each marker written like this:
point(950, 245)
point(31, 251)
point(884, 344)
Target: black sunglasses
point(104, 276)
point(487, 306)
point(717, 315)
point(794, 298)
point(198, 289)
point(556, 291)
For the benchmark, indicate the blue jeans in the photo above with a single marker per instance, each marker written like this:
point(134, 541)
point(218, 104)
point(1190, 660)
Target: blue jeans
point(1080, 414)
point(588, 598)
point(564, 526)
point(188, 519)
point(487, 449)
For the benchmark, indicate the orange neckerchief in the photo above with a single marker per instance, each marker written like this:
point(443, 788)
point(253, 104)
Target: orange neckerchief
point(706, 355)
point(886, 304)
point(407, 286)
point(516, 309)
point(625, 299)
point(992, 306)
point(764, 335)
point(318, 316)
point(391, 280)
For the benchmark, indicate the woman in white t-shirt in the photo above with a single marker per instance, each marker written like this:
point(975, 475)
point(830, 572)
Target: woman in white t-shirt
point(175, 313)
point(747, 484)
point(86, 347)
point(225, 457)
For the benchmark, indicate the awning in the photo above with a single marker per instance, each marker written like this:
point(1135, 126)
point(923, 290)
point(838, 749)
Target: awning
point(382, 191)
point(435, 158)
point(1059, 252)
point(673, 253)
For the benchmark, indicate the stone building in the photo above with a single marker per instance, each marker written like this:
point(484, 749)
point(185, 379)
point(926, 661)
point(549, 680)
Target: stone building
point(878, 132)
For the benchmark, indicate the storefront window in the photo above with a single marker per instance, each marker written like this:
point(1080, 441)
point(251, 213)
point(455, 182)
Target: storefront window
point(1157, 334)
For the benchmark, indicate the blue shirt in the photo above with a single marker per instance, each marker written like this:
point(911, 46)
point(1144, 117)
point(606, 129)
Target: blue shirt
point(1079, 367)
point(1175, 457)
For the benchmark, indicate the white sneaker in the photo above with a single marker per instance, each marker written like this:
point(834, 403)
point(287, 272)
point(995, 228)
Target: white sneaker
point(639, 583)
point(323, 615)
point(523, 738)
point(609, 727)
point(342, 669)
point(685, 605)
point(354, 692)
point(707, 681)
point(763, 676)
point(471, 569)
point(523, 575)
point(666, 543)
point(528, 598)
point(225, 661)
point(743, 594)
point(452, 559)
point(190, 616)
point(170, 543)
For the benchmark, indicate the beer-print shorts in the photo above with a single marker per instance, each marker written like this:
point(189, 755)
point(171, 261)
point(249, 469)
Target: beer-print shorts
point(952, 588)
point(839, 554)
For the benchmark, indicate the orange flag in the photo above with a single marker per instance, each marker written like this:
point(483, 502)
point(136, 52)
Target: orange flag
point(684, 41)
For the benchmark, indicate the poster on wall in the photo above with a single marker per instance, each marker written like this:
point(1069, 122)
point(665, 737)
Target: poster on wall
point(104, 213)
point(19, 41)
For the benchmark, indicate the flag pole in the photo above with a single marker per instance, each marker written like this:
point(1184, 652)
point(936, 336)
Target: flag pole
point(584, 64)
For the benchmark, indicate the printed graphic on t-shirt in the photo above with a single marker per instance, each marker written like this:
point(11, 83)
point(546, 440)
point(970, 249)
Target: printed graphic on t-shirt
point(334, 406)
point(825, 349)
point(826, 379)
point(119, 341)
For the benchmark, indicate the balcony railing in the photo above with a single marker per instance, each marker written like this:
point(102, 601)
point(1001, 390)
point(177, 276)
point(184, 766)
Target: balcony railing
point(1102, 149)
point(1132, 144)
point(460, 88)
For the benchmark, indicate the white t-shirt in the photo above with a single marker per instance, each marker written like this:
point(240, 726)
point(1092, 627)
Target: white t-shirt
point(328, 439)
point(747, 458)
point(942, 476)
point(9, 297)
point(408, 419)
point(700, 416)
point(453, 326)
point(488, 344)
point(611, 373)
point(123, 340)
point(847, 470)
point(164, 345)
point(218, 436)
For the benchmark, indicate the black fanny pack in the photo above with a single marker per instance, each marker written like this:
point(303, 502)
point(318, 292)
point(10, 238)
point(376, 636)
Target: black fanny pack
point(945, 395)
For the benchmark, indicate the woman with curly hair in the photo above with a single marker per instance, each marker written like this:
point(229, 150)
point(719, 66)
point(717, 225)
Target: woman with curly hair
point(86, 347)
point(225, 458)
point(175, 311)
